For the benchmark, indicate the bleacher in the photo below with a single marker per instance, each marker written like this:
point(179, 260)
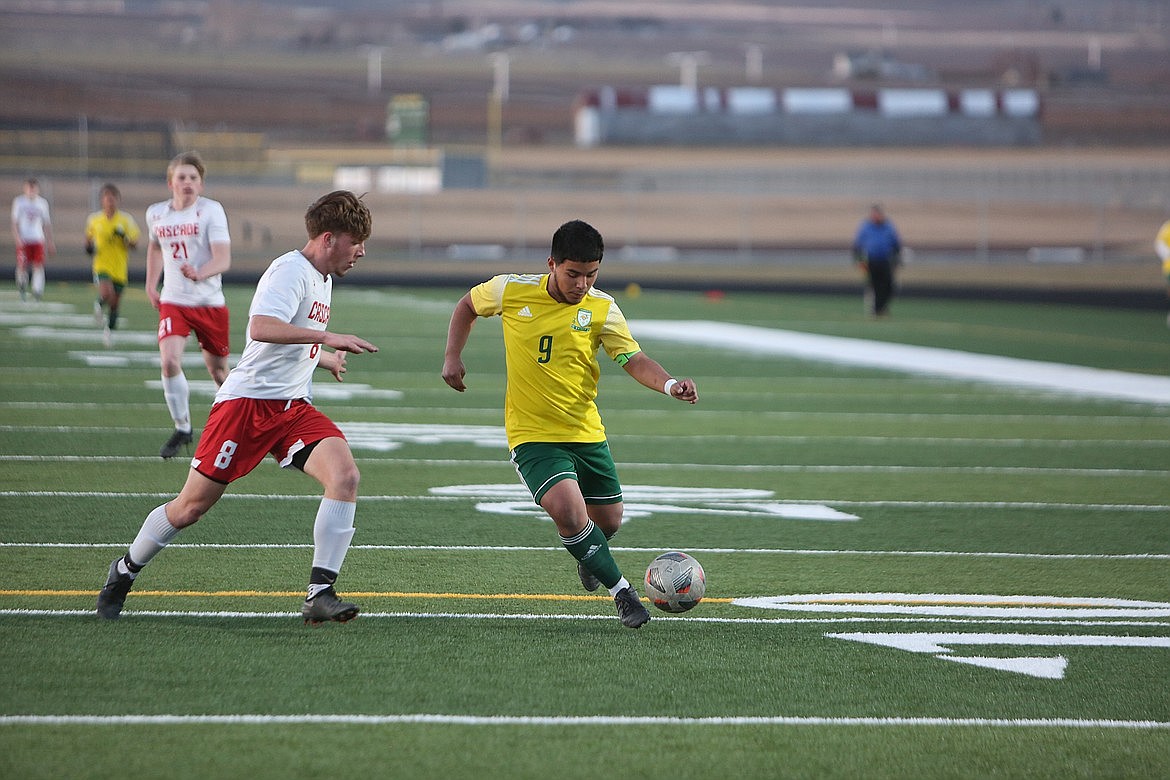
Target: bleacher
point(124, 151)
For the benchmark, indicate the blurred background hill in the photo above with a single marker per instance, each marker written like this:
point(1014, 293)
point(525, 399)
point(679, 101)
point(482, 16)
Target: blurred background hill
point(300, 70)
point(279, 96)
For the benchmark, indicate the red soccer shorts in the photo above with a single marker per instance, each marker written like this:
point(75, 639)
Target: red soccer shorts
point(241, 431)
point(210, 324)
point(32, 254)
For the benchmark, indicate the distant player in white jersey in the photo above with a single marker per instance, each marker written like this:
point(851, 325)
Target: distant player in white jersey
point(264, 408)
point(189, 250)
point(32, 232)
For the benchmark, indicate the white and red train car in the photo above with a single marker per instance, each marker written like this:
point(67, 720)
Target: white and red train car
point(902, 116)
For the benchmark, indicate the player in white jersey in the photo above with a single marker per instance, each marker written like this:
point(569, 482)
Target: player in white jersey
point(264, 409)
point(32, 232)
point(190, 248)
point(293, 291)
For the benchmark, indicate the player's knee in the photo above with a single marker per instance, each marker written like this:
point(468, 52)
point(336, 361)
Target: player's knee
point(345, 481)
point(607, 517)
point(182, 514)
point(609, 524)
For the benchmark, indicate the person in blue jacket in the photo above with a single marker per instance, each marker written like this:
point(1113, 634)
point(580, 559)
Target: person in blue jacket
point(877, 250)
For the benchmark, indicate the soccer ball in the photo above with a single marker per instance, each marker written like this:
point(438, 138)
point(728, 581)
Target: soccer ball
point(675, 582)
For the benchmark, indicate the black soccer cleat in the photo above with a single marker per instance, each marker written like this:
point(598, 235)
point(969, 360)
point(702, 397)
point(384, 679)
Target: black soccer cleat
point(113, 595)
point(588, 581)
point(325, 607)
point(630, 609)
point(178, 440)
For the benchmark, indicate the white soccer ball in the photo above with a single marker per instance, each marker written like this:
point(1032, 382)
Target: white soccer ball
point(675, 582)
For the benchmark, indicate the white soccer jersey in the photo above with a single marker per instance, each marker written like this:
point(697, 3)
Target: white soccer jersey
point(186, 237)
point(293, 291)
point(30, 215)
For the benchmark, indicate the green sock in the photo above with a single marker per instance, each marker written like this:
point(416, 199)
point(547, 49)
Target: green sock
point(591, 548)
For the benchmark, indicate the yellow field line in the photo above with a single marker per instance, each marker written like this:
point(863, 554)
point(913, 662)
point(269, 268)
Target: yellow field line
point(346, 594)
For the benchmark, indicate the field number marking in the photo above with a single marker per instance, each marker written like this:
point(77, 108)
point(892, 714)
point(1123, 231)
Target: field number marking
point(1050, 668)
point(962, 605)
point(647, 500)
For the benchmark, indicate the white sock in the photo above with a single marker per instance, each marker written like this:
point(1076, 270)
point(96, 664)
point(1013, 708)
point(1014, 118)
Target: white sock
point(622, 584)
point(155, 534)
point(178, 394)
point(38, 281)
point(332, 531)
point(22, 279)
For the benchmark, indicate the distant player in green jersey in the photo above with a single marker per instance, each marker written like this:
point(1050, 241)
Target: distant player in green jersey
point(554, 324)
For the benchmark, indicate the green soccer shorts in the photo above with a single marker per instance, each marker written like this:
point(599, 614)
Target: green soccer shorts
point(543, 464)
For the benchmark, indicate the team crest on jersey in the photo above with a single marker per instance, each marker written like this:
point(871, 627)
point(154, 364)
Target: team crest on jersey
point(584, 319)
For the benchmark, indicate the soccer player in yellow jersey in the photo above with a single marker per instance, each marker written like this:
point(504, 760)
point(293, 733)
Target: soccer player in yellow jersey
point(1162, 247)
point(554, 324)
point(110, 234)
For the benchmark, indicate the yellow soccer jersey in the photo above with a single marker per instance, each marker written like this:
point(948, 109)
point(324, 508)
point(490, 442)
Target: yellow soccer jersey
point(551, 353)
point(1162, 247)
point(111, 255)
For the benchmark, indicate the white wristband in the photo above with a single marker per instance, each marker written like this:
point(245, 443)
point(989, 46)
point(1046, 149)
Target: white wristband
point(669, 384)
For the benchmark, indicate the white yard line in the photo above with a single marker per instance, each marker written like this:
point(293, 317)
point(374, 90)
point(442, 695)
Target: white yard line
point(542, 548)
point(564, 720)
point(778, 468)
point(534, 616)
point(954, 364)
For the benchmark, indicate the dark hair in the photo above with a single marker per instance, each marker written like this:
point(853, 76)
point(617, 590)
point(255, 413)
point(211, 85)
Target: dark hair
point(339, 212)
point(110, 188)
point(578, 241)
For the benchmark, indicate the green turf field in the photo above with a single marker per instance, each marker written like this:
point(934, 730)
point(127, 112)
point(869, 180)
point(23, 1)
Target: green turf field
point(908, 575)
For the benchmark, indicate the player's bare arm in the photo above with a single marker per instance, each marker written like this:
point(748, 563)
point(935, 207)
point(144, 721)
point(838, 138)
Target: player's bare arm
point(276, 331)
point(346, 342)
point(334, 363)
point(649, 373)
point(154, 266)
point(221, 261)
point(462, 319)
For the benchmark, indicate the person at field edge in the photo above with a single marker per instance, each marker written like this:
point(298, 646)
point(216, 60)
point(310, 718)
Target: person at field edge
point(1162, 247)
point(877, 250)
point(110, 234)
point(32, 232)
point(264, 407)
point(554, 324)
point(189, 250)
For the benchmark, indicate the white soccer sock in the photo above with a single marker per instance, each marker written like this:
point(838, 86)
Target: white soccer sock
point(38, 281)
point(177, 393)
point(155, 534)
point(621, 585)
point(332, 532)
point(22, 278)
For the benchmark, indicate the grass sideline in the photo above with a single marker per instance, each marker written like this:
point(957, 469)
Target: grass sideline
point(478, 655)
